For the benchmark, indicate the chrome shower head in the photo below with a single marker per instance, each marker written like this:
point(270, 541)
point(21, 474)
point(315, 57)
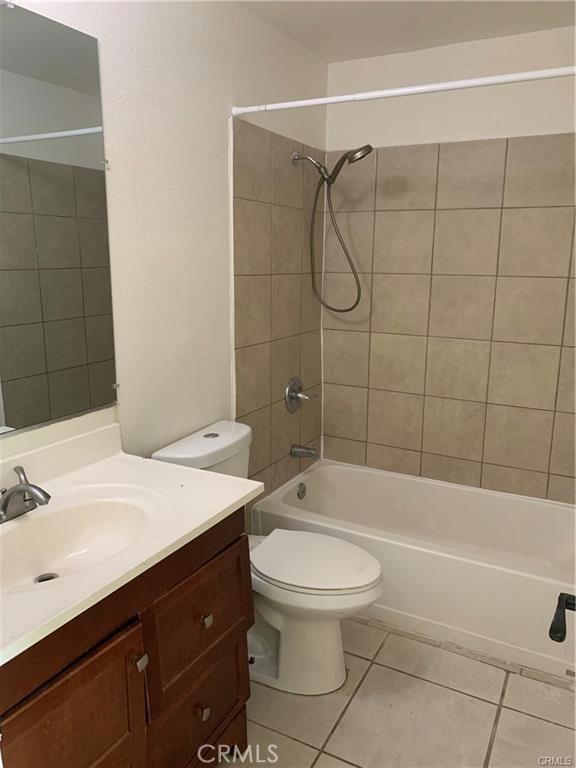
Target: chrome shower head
point(351, 156)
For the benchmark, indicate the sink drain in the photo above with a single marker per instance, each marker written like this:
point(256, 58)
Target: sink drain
point(45, 577)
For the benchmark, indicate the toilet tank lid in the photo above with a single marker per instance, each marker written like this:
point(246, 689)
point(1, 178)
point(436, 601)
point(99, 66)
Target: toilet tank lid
point(211, 445)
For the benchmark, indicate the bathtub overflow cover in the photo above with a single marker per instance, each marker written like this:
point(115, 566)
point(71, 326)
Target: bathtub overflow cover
point(301, 490)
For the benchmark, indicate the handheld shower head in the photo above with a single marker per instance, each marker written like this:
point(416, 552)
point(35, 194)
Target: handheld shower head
point(352, 156)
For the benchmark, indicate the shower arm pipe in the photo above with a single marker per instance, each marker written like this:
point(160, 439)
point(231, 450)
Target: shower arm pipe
point(52, 135)
point(412, 90)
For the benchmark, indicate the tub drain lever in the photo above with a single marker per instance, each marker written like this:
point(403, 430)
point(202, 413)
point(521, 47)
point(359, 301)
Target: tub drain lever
point(565, 603)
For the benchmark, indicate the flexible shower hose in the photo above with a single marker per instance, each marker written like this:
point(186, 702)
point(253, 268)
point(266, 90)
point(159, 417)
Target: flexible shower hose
point(344, 248)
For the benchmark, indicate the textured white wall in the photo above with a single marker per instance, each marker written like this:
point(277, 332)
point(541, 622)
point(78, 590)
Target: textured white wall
point(479, 113)
point(170, 73)
point(30, 106)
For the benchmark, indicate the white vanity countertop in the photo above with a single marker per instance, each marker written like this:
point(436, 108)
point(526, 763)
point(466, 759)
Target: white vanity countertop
point(178, 505)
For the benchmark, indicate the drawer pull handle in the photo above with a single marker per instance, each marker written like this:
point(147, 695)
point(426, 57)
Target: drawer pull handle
point(142, 663)
point(207, 621)
point(204, 713)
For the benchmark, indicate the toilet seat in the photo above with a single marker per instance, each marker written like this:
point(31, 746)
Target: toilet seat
point(313, 564)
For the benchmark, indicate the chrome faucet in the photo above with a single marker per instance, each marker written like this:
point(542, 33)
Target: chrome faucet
point(303, 452)
point(21, 498)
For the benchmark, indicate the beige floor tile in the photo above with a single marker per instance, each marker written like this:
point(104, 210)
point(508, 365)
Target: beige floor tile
point(521, 740)
point(327, 761)
point(361, 639)
point(444, 667)
point(266, 744)
point(398, 721)
point(536, 698)
point(308, 718)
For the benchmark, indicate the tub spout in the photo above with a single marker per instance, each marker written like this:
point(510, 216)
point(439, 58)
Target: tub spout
point(303, 452)
point(565, 603)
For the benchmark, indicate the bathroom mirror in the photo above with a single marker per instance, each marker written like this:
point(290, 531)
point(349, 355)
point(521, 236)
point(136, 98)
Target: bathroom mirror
point(56, 340)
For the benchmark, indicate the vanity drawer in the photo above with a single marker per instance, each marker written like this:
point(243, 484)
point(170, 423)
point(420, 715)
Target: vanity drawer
point(217, 696)
point(182, 628)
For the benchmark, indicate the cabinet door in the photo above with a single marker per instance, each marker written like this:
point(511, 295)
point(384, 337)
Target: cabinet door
point(184, 627)
point(92, 715)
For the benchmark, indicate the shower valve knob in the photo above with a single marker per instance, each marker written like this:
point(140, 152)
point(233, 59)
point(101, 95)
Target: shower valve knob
point(294, 396)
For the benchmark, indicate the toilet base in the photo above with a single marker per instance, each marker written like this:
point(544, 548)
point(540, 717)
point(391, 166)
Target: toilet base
point(297, 655)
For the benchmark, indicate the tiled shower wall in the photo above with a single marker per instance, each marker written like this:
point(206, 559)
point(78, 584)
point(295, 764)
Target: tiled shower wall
point(56, 343)
point(277, 321)
point(459, 362)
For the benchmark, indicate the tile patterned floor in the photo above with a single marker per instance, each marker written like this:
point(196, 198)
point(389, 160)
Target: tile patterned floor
point(411, 704)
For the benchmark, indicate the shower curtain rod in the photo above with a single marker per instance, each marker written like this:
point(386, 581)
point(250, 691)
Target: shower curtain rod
point(411, 90)
point(52, 135)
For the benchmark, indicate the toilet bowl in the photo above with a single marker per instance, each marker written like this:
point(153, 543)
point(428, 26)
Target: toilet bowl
point(304, 584)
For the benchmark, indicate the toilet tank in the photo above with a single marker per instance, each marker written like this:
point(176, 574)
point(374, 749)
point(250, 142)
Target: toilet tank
point(222, 447)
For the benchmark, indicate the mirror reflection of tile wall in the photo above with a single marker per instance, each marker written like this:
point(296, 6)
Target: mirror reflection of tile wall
point(56, 341)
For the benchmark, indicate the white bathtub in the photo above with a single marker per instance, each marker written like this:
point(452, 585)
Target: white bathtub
point(478, 568)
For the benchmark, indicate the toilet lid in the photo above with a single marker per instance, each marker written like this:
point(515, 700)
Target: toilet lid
point(313, 561)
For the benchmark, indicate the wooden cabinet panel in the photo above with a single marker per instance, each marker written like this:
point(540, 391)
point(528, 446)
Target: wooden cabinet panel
point(231, 736)
point(217, 695)
point(91, 715)
point(183, 627)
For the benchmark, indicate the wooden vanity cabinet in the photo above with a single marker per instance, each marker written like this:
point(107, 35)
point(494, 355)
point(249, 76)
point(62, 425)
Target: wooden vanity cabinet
point(168, 677)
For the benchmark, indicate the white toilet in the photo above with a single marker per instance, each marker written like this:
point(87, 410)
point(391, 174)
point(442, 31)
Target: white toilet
point(303, 582)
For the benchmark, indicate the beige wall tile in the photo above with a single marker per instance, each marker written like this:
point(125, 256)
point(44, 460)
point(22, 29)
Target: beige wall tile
point(346, 357)
point(518, 437)
point(520, 481)
point(395, 419)
point(311, 358)
point(569, 323)
point(562, 458)
point(26, 401)
point(453, 428)
point(286, 240)
point(287, 177)
point(357, 229)
point(345, 410)
point(70, 391)
point(286, 306)
point(561, 489)
point(311, 177)
point(52, 188)
point(284, 364)
point(566, 383)
point(523, 374)
point(251, 161)
point(311, 415)
point(355, 188)
point(252, 378)
point(462, 306)
point(407, 177)
point(317, 445)
point(23, 351)
point(252, 309)
point(451, 470)
point(90, 189)
point(311, 308)
point(284, 431)
point(397, 362)
point(348, 451)
point(515, 317)
point(15, 194)
point(259, 422)
point(17, 245)
point(318, 241)
point(403, 241)
point(57, 242)
point(283, 471)
point(252, 238)
point(466, 242)
point(102, 378)
point(471, 174)
point(536, 241)
point(457, 368)
point(393, 459)
point(400, 304)
point(540, 170)
point(340, 291)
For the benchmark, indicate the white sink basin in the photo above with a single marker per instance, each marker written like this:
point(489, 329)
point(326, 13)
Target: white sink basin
point(49, 544)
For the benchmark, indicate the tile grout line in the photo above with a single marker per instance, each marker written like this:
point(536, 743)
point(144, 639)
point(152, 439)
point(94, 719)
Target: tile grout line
point(492, 738)
point(427, 335)
point(491, 341)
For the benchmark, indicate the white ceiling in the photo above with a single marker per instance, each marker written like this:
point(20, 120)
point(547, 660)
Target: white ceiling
point(337, 31)
point(37, 47)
